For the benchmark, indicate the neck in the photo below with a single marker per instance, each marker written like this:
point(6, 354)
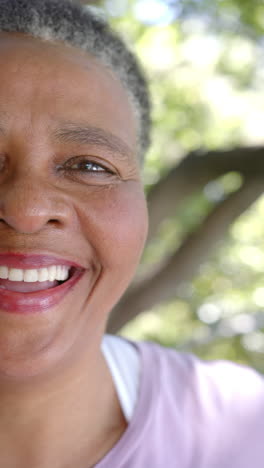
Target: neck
point(64, 421)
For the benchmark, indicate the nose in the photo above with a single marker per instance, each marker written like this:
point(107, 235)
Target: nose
point(28, 204)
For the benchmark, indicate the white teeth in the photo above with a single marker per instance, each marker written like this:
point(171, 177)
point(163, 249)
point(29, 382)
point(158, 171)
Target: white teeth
point(52, 273)
point(64, 274)
point(15, 275)
point(58, 272)
point(3, 272)
point(43, 274)
point(30, 276)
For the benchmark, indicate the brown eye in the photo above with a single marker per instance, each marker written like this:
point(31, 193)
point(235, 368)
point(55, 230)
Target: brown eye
point(88, 166)
point(85, 166)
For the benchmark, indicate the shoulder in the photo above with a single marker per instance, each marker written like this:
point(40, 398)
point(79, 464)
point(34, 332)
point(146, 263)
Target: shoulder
point(214, 409)
point(189, 374)
point(198, 414)
point(188, 370)
point(217, 393)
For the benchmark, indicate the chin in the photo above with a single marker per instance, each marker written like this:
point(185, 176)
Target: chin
point(31, 352)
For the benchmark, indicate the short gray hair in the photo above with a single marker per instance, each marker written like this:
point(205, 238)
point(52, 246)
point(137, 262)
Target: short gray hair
point(79, 26)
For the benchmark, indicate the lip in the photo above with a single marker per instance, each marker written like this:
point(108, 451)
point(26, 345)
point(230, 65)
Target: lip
point(39, 301)
point(29, 261)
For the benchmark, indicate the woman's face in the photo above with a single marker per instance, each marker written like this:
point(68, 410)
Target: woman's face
point(70, 195)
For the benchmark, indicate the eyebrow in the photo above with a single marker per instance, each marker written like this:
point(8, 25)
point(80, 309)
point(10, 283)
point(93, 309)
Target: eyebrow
point(71, 132)
point(87, 135)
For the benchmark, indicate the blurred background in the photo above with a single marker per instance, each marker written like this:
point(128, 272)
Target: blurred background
point(200, 285)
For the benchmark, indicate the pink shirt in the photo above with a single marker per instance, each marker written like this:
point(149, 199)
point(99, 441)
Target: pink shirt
point(192, 414)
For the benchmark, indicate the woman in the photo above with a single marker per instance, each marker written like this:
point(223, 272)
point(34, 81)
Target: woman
point(74, 123)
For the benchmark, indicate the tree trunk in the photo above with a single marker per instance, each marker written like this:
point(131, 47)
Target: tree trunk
point(192, 173)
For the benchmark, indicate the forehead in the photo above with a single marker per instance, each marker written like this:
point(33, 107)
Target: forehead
point(44, 83)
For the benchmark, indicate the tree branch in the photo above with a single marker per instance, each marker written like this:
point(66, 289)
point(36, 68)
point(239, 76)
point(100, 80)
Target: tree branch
point(194, 171)
point(182, 265)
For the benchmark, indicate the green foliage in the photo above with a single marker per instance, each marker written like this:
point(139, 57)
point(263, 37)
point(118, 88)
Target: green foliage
point(205, 81)
point(206, 72)
point(216, 315)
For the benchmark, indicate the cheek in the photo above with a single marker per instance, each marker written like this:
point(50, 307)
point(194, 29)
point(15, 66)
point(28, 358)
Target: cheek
point(131, 224)
point(114, 221)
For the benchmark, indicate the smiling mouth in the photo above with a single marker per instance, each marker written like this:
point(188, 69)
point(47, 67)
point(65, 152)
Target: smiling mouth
point(33, 280)
point(33, 283)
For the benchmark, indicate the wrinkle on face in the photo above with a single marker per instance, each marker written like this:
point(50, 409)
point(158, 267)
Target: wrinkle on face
point(62, 105)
